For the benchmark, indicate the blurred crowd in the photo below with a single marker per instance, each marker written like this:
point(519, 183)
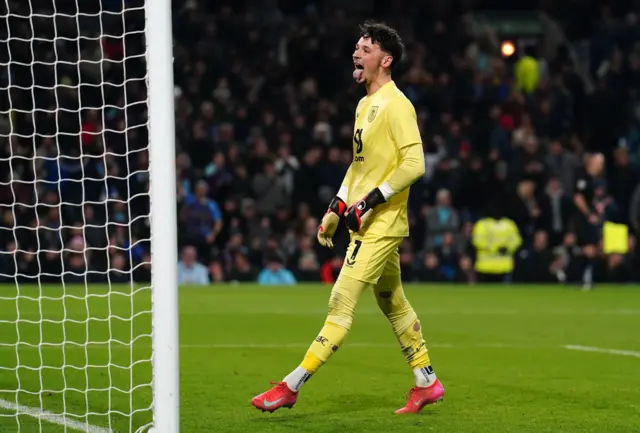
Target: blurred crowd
point(264, 117)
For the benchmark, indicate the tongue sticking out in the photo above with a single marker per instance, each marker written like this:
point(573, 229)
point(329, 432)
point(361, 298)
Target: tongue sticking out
point(358, 75)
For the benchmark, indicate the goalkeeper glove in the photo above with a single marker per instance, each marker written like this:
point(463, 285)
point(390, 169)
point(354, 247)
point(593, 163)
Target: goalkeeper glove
point(357, 214)
point(330, 222)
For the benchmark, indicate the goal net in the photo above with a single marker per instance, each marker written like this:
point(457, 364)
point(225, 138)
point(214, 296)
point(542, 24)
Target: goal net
point(76, 298)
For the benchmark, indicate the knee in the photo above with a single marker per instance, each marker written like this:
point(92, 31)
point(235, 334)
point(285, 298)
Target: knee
point(590, 251)
point(342, 304)
point(392, 304)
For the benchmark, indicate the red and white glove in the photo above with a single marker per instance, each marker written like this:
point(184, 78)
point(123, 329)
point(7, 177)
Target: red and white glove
point(356, 215)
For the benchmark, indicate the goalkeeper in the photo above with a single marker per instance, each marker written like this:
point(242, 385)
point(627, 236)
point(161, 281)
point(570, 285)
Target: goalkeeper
point(372, 200)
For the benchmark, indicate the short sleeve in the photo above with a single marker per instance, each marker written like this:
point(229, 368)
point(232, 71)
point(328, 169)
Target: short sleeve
point(215, 211)
point(581, 184)
point(403, 123)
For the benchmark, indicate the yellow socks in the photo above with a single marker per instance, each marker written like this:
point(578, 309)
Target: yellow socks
point(415, 352)
point(326, 344)
point(413, 346)
point(404, 321)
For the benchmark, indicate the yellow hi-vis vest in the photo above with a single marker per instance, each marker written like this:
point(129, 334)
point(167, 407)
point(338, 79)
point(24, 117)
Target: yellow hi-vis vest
point(495, 241)
point(527, 74)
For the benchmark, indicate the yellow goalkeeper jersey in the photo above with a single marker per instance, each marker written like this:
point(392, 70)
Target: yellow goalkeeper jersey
point(385, 127)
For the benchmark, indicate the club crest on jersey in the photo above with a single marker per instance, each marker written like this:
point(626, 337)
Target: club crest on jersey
point(372, 113)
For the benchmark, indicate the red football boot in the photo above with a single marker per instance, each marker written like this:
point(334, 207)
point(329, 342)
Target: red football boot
point(420, 397)
point(275, 398)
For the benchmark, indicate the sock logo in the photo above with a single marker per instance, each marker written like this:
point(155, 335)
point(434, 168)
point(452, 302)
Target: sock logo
point(427, 370)
point(409, 352)
point(302, 380)
point(322, 340)
point(334, 347)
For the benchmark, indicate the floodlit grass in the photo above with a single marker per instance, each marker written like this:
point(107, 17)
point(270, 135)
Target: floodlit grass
point(499, 351)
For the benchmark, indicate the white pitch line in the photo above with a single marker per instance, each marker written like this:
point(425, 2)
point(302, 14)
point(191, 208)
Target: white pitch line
point(361, 345)
point(347, 344)
point(53, 418)
point(620, 352)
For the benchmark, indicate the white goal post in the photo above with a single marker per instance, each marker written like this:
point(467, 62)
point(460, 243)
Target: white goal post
point(88, 242)
point(164, 219)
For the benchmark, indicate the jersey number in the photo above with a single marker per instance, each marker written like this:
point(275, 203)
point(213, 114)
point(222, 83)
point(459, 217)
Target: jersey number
point(357, 137)
point(351, 260)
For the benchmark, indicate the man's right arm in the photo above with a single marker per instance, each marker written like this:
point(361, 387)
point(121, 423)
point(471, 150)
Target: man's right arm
point(335, 212)
point(578, 197)
point(343, 192)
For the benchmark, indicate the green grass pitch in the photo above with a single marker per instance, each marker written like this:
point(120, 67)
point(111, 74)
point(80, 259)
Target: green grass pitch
point(501, 353)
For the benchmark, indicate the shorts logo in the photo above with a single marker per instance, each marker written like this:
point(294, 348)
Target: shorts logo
point(352, 260)
point(372, 113)
point(322, 340)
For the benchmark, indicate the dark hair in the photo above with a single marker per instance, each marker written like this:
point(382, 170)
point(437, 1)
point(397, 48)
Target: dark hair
point(385, 36)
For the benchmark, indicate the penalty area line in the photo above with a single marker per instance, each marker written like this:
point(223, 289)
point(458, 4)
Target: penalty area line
point(619, 352)
point(52, 418)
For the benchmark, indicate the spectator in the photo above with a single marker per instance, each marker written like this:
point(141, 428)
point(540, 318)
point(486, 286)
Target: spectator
point(305, 261)
point(202, 220)
point(562, 165)
point(118, 270)
point(537, 264)
point(623, 178)
point(528, 211)
point(190, 272)
point(429, 270)
point(216, 272)
point(560, 211)
point(241, 271)
point(275, 273)
point(269, 190)
point(441, 218)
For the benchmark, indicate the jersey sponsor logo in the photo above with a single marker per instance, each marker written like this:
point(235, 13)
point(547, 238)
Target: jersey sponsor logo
point(372, 113)
point(357, 138)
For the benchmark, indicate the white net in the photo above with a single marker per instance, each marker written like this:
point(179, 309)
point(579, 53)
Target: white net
point(75, 301)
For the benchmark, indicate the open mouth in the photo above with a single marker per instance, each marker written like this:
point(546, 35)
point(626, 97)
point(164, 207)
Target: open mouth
point(359, 66)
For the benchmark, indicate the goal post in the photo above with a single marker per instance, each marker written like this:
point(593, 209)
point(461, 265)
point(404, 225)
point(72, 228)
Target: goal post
point(88, 242)
point(166, 409)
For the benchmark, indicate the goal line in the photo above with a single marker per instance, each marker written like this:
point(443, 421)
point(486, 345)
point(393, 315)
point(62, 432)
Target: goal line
point(52, 418)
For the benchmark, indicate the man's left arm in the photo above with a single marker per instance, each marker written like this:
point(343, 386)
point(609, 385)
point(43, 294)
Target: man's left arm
point(403, 125)
point(216, 215)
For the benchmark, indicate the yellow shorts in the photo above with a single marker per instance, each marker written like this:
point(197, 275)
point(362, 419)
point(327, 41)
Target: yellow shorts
point(370, 257)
